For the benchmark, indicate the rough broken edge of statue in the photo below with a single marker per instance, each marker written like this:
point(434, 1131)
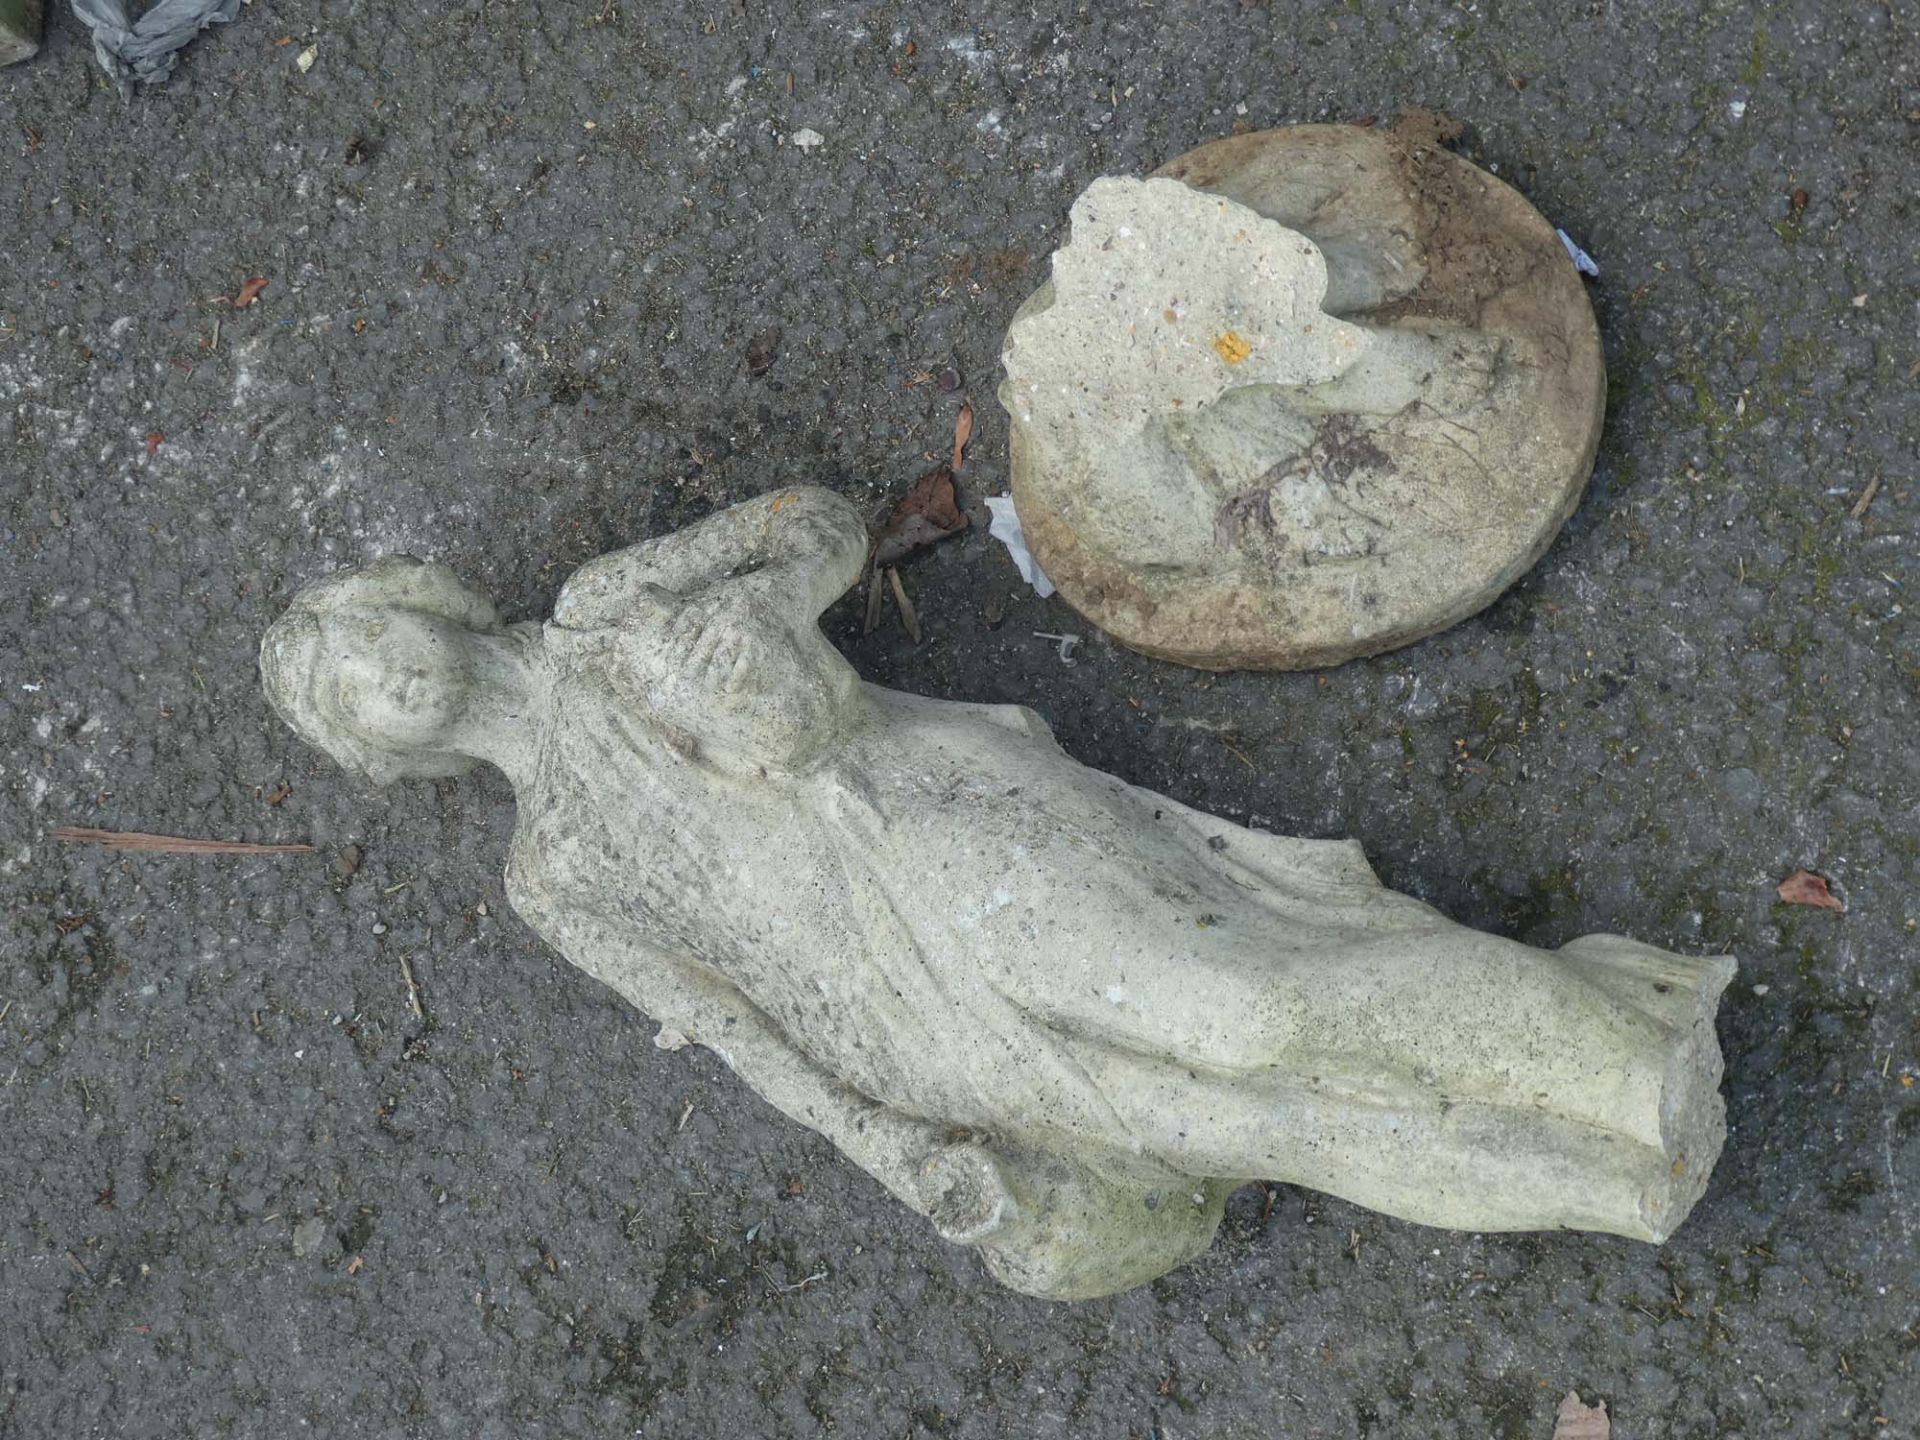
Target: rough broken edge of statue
point(1167, 298)
point(1304, 395)
point(1059, 1015)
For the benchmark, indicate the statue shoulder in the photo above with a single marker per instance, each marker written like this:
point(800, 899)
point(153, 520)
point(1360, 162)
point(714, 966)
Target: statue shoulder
point(601, 591)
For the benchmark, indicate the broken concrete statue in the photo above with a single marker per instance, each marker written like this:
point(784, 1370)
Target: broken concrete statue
point(1304, 395)
point(1057, 1014)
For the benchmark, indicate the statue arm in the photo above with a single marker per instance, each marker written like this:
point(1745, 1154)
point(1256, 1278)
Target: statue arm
point(808, 544)
point(1044, 1224)
point(890, 1146)
point(710, 634)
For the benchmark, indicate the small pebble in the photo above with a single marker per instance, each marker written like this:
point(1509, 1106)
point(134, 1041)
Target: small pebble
point(308, 1235)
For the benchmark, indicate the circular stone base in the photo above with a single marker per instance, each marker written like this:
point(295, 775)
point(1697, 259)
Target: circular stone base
point(1285, 528)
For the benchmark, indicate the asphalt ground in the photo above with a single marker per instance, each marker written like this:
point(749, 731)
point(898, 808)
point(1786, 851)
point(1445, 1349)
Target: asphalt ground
point(514, 255)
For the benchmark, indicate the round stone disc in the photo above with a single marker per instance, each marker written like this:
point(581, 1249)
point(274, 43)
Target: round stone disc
point(1290, 526)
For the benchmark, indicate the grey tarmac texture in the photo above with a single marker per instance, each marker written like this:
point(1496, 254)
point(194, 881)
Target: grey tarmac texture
point(563, 1230)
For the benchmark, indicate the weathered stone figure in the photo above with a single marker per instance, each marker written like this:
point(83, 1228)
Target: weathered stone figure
point(1061, 1016)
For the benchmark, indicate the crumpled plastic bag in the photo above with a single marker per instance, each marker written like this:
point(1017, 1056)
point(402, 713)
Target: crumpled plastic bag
point(1005, 527)
point(144, 49)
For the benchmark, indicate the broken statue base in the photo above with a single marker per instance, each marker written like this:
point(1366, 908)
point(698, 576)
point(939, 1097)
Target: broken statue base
point(1302, 395)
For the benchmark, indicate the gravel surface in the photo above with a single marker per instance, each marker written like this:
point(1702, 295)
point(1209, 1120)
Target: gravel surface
point(514, 257)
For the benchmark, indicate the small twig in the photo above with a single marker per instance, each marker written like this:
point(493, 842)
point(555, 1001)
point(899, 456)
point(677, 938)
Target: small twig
point(413, 990)
point(1234, 751)
point(907, 617)
point(685, 1115)
point(171, 844)
point(1866, 497)
point(874, 600)
point(802, 1284)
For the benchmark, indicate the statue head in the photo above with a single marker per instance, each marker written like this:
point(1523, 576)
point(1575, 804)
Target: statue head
point(377, 666)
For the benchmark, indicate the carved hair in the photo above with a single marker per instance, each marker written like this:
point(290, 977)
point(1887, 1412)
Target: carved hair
point(292, 662)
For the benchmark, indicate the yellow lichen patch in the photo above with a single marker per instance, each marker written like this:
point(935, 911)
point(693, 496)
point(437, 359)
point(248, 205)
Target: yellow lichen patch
point(1231, 348)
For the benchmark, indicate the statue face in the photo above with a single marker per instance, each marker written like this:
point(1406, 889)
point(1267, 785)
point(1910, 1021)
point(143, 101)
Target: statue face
point(394, 676)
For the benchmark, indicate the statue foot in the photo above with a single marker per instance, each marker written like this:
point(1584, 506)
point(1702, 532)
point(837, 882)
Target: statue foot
point(1059, 1230)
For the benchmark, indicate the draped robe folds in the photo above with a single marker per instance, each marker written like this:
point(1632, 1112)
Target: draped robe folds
point(915, 920)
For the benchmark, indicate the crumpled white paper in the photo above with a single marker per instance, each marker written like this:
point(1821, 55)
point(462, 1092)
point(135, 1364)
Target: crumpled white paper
point(1005, 527)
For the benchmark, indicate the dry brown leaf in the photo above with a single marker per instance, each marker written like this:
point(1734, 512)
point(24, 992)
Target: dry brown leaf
point(175, 844)
point(962, 432)
point(249, 292)
point(1803, 887)
point(929, 513)
point(762, 350)
point(1575, 1421)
